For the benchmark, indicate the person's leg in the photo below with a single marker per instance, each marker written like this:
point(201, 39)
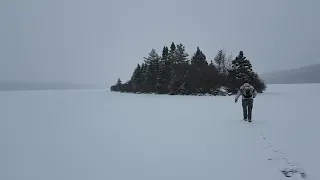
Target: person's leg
point(250, 107)
point(244, 108)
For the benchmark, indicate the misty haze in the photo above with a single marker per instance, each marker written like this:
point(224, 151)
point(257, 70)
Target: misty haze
point(154, 90)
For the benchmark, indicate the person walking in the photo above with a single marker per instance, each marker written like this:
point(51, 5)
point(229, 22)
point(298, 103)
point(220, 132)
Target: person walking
point(248, 93)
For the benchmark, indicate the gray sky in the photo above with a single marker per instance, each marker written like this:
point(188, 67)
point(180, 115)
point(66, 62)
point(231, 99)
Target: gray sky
point(98, 41)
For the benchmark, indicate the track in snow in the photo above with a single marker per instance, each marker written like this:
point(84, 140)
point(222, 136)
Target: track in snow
point(287, 168)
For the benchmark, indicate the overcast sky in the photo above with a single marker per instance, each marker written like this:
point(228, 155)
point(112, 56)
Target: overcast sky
point(97, 41)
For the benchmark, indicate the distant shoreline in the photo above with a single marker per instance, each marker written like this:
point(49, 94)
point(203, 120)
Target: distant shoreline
point(303, 75)
point(33, 86)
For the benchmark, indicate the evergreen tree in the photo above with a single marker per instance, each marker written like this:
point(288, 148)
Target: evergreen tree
point(152, 58)
point(171, 68)
point(164, 72)
point(220, 60)
point(178, 64)
point(199, 59)
point(242, 67)
point(136, 78)
point(172, 54)
point(199, 67)
point(152, 69)
point(119, 82)
point(173, 48)
point(117, 87)
point(181, 55)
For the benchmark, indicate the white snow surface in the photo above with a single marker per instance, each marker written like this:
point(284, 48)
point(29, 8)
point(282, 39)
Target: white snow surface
point(98, 135)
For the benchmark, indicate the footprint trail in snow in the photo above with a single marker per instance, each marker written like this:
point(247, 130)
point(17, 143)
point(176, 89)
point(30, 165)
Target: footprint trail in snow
point(279, 159)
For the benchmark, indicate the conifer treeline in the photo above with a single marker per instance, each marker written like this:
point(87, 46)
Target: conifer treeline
point(173, 72)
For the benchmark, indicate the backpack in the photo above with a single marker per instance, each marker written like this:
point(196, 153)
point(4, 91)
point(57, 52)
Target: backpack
point(247, 92)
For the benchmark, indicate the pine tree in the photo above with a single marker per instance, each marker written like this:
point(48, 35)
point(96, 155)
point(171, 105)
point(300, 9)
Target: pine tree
point(136, 79)
point(181, 55)
point(172, 54)
point(119, 82)
point(220, 60)
point(242, 67)
point(198, 70)
point(177, 65)
point(152, 57)
point(152, 63)
point(164, 72)
point(199, 59)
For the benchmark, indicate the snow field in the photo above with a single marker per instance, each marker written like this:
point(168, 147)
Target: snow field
point(105, 135)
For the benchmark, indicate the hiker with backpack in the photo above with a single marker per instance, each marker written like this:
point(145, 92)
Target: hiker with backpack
point(248, 93)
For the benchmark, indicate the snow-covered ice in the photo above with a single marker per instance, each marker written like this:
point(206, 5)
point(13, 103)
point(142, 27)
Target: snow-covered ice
point(93, 134)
